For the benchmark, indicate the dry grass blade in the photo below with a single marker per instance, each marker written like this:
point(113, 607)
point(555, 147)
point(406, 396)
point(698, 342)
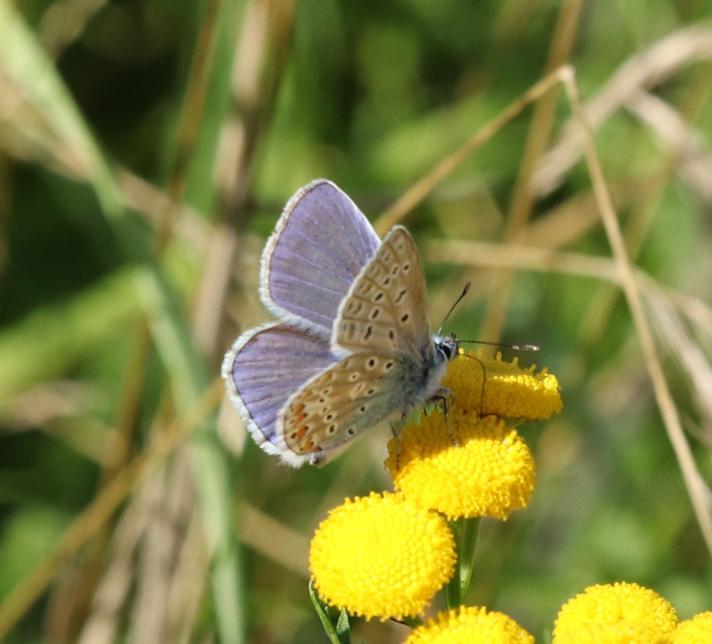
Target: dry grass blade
point(85, 526)
point(696, 486)
point(694, 161)
point(643, 70)
point(104, 619)
point(419, 190)
point(260, 60)
point(695, 364)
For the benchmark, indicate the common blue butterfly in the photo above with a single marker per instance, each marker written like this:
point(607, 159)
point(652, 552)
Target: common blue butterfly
point(353, 344)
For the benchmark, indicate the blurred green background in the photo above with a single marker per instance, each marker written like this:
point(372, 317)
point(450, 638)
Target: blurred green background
point(146, 150)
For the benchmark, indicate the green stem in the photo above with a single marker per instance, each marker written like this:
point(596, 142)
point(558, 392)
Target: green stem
point(339, 633)
point(465, 532)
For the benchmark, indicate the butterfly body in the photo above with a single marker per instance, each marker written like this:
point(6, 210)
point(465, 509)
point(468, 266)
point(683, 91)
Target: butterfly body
point(354, 346)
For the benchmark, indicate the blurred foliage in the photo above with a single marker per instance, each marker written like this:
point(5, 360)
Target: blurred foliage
point(371, 95)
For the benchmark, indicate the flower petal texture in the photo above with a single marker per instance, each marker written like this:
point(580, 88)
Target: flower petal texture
point(615, 614)
point(696, 630)
point(471, 624)
point(381, 556)
point(509, 390)
point(480, 467)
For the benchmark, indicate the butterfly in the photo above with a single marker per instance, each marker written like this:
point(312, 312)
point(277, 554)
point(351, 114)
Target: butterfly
point(352, 345)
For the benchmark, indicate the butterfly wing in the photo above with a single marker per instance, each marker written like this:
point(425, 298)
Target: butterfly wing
point(385, 309)
point(341, 402)
point(264, 368)
point(319, 245)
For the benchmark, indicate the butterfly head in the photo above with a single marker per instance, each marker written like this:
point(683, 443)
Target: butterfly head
point(446, 346)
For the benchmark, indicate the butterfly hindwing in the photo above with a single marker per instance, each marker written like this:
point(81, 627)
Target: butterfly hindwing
point(386, 309)
point(341, 402)
point(258, 388)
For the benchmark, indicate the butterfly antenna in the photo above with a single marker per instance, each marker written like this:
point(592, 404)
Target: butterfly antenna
point(515, 347)
point(454, 304)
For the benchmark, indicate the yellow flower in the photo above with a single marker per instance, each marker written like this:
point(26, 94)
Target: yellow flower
point(488, 471)
point(470, 624)
point(697, 630)
point(620, 613)
point(381, 556)
point(509, 391)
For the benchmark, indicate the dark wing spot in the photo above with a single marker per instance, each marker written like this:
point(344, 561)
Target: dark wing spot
point(404, 317)
point(350, 431)
point(401, 295)
point(371, 391)
point(389, 365)
point(332, 428)
point(353, 377)
point(369, 332)
point(372, 362)
point(375, 313)
point(391, 334)
point(406, 267)
point(386, 281)
point(378, 297)
point(395, 270)
point(329, 417)
point(362, 409)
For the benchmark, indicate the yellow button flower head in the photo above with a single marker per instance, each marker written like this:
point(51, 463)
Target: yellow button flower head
point(470, 624)
point(620, 613)
point(489, 471)
point(509, 392)
point(381, 556)
point(697, 630)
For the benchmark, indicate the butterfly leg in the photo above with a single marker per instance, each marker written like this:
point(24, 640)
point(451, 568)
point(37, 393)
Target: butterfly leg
point(442, 396)
point(484, 382)
point(396, 428)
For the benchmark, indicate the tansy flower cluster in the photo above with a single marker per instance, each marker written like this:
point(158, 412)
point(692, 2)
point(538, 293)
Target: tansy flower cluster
point(627, 613)
point(471, 462)
point(620, 613)
point(387, 555)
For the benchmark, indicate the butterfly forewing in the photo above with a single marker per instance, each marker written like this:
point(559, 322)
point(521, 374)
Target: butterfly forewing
point(341, 402)
point(386, 309)
point(320, 244)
